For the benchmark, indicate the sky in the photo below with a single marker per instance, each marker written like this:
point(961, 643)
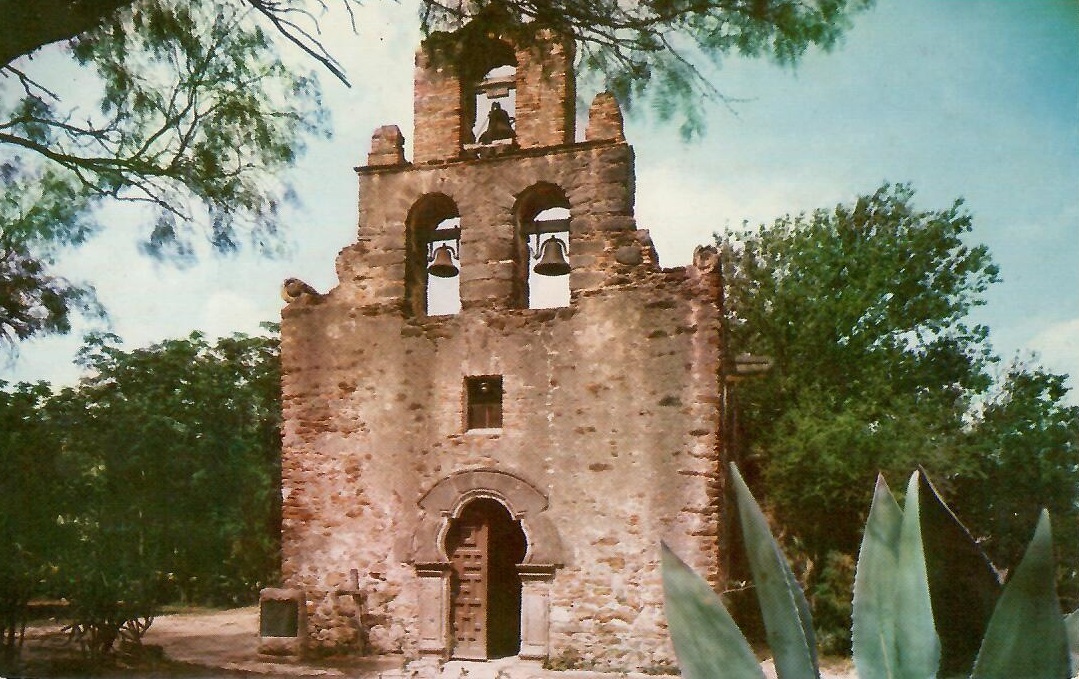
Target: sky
point(976, 99)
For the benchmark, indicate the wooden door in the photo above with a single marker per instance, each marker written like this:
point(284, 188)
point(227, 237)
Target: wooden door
point(469, 552)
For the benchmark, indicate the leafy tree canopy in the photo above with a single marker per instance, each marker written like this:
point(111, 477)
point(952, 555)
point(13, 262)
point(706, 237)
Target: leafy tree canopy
point(863, 311)
point(82, 515)
point(195, 114)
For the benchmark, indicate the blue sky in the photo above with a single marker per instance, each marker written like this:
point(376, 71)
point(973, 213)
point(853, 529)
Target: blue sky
point(961, 98)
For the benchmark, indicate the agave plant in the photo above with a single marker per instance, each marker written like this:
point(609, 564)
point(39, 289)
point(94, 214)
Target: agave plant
point(927, 602)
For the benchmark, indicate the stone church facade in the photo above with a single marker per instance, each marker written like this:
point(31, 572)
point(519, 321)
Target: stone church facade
point(496, 479)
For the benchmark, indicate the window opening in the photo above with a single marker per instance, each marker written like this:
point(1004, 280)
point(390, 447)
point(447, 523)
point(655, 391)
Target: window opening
point(443, 267)
point(548, 273)
point(496, 107)
point(484, 396)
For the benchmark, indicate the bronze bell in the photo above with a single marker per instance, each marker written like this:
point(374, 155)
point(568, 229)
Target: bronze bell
point(552, 259)
point(499, 125)
point(442, 263)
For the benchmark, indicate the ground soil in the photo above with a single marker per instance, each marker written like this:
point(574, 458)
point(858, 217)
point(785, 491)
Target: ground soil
point(200, 643)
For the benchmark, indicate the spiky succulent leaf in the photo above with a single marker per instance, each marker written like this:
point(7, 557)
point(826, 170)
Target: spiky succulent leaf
point(917, 646)
point(783, 605)
point(1071, 625)
point(1027, 635)
point(962, 583)
point(706, 640)
point(875, 580)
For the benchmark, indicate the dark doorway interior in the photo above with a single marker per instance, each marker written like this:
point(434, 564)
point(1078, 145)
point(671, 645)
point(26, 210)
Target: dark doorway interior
point(485, 544)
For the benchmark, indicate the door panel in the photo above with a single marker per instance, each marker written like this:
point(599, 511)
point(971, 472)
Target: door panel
point(470, 565)
point(485, 545)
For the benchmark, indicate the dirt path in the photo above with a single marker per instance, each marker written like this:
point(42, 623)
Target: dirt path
point(206, 643)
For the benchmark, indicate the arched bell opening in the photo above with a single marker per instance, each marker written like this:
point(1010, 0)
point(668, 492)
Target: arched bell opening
point(433, 260)
point(495, 107)
point(484, 544)
point(488, 75)
point(543, 236)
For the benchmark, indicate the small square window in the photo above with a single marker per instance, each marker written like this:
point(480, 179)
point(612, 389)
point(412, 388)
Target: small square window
point(484, 402)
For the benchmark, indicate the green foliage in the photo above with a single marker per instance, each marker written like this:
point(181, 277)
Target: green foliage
point(194, 103)
point(661, 51)
point(1071, 623)
point(863, 311)
point(39, 215)
point(30, 499)
point(195, 117)
point(1026, 441)
point(154, 480)
point(113, 594)
point(895, 633)
point(196, 423)
point(830, 603)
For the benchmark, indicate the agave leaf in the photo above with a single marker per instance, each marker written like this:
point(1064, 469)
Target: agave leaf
point(874, 614)
point(917, 645)
point(962, 583)
point(784, 608)
point(1027, 635)
point(706, 640)
point(1071, 625)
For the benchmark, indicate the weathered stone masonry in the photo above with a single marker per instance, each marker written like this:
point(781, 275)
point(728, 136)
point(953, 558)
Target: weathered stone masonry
point(610, 435)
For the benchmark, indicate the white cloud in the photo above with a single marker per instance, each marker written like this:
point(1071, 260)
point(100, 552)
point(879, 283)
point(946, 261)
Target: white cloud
point(1057, 347)
point(225, 312)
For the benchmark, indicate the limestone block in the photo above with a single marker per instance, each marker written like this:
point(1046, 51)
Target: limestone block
point(604, 119)
point(387, 147)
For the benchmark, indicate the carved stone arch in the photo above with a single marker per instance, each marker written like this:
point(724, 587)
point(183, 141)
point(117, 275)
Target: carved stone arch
point(426, 213)
point(443, 501)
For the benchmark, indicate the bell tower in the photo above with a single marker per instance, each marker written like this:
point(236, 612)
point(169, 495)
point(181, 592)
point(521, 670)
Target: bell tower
point(505, 404)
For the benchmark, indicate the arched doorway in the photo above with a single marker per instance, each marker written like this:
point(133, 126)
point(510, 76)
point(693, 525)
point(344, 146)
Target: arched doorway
point(485, 544)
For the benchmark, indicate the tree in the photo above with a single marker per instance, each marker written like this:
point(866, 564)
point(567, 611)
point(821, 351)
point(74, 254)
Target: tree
point(196, 114)
point(196, 423)
point(862, 310)
point(1025, 439)
point(38, 216)
point(31, 493)
point(154, 480)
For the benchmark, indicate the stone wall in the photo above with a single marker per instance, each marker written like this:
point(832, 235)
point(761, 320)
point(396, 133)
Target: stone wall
point(610, 410)
point(545, 93)
point(610, 440)
point(545, 100)
point(437, 110)
point(597, 178)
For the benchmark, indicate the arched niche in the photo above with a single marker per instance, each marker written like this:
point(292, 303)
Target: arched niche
point(432, 223)
point(542, 214)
